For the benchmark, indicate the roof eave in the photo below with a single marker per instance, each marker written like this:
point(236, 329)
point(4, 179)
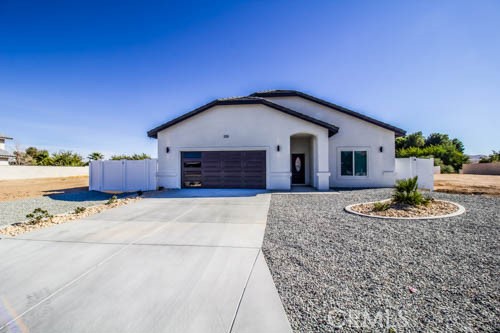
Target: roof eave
point(242, 101)
point(294, 93)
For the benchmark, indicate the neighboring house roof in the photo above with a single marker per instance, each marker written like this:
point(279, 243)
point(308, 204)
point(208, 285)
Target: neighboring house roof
point(289, 93)
point(5, 153)
point(332, 129)
point(5, 137)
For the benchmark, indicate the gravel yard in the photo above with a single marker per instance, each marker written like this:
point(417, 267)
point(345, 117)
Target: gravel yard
point(334, 269)
point(15, 211)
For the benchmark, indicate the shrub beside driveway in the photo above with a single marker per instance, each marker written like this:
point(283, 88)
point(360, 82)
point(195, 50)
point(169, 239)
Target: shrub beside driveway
point(16, 211)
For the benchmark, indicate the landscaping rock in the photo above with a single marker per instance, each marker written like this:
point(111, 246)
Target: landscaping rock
point(433, 208)
point(22, 227)
point(16, 211)
point(339, 272)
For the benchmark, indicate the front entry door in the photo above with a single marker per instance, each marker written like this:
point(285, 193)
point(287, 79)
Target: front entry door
point(298, 169)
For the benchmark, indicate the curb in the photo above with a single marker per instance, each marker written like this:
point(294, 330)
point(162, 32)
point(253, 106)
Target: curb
point(460, 211)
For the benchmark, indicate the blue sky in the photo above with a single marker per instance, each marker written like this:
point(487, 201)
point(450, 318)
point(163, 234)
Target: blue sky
point(95, 76)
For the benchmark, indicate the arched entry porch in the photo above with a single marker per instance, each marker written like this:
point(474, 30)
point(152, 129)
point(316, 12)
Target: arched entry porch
point(303, 159)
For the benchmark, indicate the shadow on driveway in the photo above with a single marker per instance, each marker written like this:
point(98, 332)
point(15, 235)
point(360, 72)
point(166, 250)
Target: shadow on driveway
point(207, 193)
point(83, 195)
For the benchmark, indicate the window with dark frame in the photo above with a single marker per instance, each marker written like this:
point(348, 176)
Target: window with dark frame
point(192, 164)
point(191, 154)
point(191, 174)
point(353, 163)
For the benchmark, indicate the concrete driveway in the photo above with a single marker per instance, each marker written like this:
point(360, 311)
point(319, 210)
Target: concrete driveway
point(184, 261)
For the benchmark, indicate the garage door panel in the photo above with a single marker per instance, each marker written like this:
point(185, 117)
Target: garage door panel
point(224, 169)
point(232, 166)
point(253, 164)
point(211, 165)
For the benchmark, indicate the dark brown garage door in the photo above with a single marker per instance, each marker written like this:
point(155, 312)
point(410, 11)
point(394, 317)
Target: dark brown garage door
point(224, 169)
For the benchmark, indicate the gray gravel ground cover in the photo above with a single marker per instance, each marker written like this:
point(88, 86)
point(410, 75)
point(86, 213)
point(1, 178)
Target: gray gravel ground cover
point(334, 269)
point(15, 211)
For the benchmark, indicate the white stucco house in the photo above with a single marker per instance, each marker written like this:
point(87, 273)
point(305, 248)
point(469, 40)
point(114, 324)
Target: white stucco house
point(4, 154)
point(275, 140)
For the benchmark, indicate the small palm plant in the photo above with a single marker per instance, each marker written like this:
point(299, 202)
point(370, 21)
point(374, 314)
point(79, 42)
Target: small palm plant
point(381, 206)
point(38, 215)
point(79, 210)
point(112, 200)
point(406, 192)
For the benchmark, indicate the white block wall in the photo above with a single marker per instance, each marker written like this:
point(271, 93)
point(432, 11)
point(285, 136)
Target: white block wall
point(10, 172)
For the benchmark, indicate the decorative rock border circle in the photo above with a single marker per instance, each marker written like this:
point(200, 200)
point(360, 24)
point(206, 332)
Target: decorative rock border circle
point(459, 211)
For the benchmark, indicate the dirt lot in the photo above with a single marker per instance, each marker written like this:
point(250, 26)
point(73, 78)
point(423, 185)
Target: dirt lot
point(467, 184)
point(29, 188)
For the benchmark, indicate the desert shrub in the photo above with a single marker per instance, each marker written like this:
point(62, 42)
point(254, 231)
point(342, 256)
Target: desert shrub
point(38, 156)
point(493, 157)
point(95, 156)
point(437, 145)
point(38, 215)
point(66, 158)
point(411, 140)
point(79, 210)
point(112, 200)
point(447, 169)
point(427, 200)
point(381, 206)
point(142, 156)
point(35, 156)
point(406, 192)
point(447, 154)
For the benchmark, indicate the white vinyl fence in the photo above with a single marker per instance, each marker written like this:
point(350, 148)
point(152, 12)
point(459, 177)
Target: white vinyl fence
point(421, 167)
point(123, 175)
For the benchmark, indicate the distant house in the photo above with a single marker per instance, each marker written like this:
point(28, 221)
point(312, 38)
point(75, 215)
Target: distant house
point(4, 154)
point(275, 140)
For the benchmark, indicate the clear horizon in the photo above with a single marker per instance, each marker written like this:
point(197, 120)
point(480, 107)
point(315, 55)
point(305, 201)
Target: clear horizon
point(89, 76)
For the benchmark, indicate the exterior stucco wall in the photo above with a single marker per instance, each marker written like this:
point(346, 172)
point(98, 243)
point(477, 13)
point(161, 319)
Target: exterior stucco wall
point(354, 133)
point(248, 127)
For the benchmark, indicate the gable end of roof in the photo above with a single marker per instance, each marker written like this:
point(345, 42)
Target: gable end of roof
point(294, 93)
point(332, 129)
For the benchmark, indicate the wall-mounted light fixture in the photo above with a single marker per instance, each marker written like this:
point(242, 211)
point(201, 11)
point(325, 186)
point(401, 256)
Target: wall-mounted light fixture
point(381, 149)
point(278, 147)
point(168, 150)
